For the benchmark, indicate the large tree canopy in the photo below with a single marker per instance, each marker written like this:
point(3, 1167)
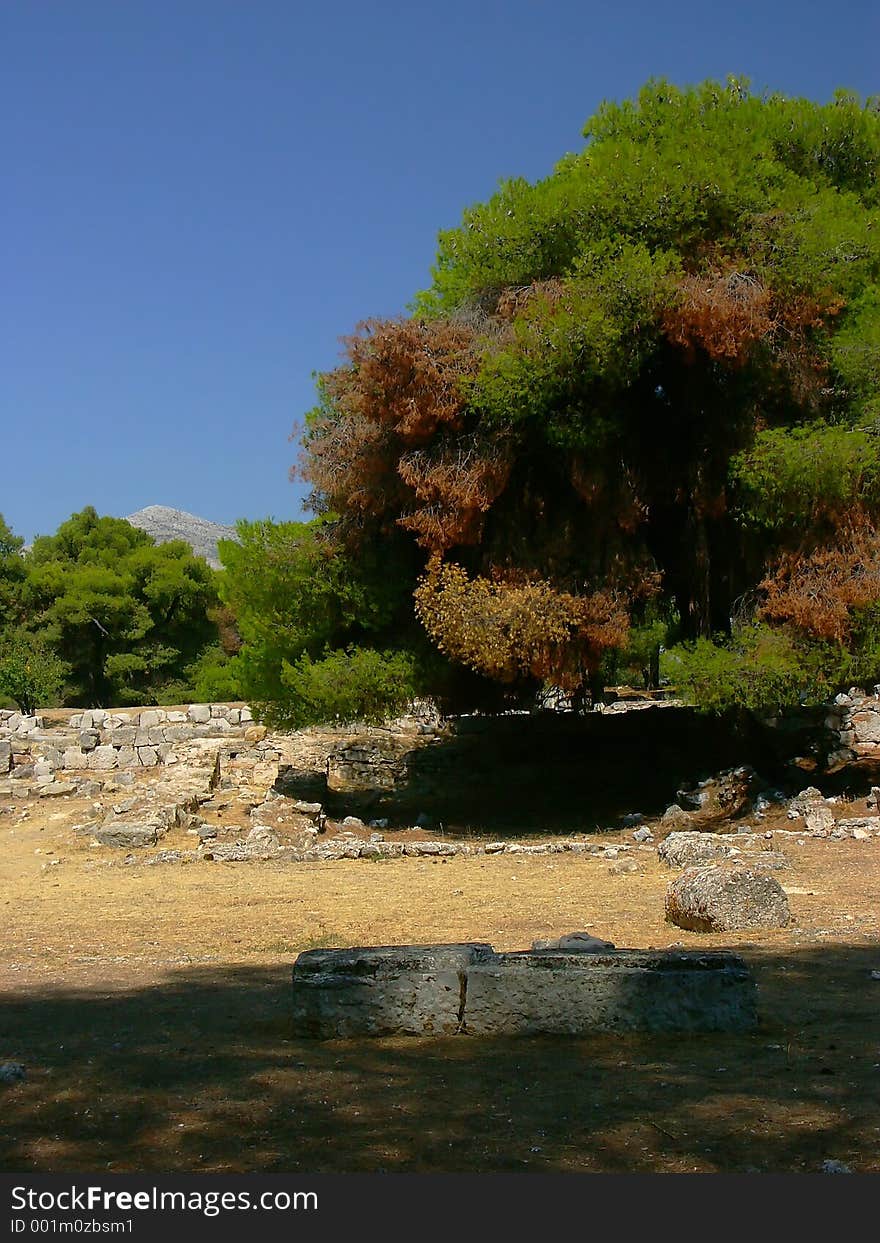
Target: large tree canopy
point(128, 617)
point(645, 387)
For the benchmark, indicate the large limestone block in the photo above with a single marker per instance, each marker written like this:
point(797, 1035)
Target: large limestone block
point(627, 990)
point(5, 756)
point(199, 714)
point(103, 758)
point(150, 718)
point(383, 990)
point(724, 899)
point(74, 757)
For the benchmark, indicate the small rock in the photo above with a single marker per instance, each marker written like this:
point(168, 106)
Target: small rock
point(624, 866)
point(676, 818)
point(574, 943)
point(835, 1167)
point(12, 1072)
point(643, 835)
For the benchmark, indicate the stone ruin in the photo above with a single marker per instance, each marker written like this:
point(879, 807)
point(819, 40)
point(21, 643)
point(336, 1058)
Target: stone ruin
point(150, 769)
point(470, 989)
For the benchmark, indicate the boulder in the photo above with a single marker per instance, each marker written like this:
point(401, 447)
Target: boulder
point(724, 899)
point(5, 756)
point(199, 714)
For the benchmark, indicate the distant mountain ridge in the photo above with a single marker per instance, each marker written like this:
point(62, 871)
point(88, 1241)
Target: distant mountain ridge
point(166, 524)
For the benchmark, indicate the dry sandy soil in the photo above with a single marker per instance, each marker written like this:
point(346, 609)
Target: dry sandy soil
point(150, 1006)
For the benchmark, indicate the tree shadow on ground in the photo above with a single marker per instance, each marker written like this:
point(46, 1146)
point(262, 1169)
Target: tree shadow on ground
point(202, 1074)
point(558, 772)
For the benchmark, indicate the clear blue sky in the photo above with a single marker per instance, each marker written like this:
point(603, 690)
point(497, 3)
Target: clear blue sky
point(201, 196)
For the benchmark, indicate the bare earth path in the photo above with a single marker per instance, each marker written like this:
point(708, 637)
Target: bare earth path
point(149, 1004)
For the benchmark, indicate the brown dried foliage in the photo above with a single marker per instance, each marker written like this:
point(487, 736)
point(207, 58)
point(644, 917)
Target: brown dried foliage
point(393, 447)
point(351, 461)
point(722, 312)
point(457, 485)
point(725, 312)
point(514, 300)
point(405, 374)
point(818, 591)
point(508, 626)
point(592, 483)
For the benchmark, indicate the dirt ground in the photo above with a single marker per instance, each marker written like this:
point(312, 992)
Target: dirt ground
point(150, 1007)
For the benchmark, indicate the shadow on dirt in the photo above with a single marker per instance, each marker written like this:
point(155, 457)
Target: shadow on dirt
point(202, 1073)
point(556, 772)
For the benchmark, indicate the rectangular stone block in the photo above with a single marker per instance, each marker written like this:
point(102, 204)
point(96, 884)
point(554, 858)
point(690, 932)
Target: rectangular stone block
point(103, 757)
point(5, 756)
point(127, 835)
point(413, 990)
point(625, 990)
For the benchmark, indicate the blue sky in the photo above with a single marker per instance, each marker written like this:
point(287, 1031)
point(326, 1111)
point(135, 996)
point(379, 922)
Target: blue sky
point(201, 196)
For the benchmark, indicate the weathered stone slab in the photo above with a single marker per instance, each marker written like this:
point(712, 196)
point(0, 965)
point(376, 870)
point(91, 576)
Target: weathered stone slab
point(627, 990)
point(126, 835)
point(5, 756)
point(450, 989)
point(413, 990)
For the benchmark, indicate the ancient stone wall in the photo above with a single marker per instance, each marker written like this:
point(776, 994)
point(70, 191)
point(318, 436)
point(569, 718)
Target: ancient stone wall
point(854, 718)
point(32, 748)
